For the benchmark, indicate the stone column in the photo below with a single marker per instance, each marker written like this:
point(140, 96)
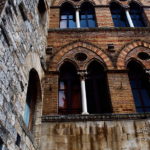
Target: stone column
point(83, 92)
point(129, 18)
point(148, 72)
point(77, 18)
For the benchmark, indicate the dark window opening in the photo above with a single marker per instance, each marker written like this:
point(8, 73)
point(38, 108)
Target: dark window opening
point(67, 16)
point(22, 11)
point(118, 15)
point(18, 140)
point(69, 90)
point(144, 56)
point(41, 6)
point(31, 98)
point(140, 86)
point(80, 56)
point(1, 144)
point(87, 15)
point(136, 13)
point(98, 100)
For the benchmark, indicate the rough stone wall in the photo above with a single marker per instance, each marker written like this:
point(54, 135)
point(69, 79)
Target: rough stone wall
point(98, 135)
point(22, 44)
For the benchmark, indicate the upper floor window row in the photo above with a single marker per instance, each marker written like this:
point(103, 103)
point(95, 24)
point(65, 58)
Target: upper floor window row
point(71, 18)
point(134, 17)
point(85, 16)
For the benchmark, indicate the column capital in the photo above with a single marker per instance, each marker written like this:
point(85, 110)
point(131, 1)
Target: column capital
point(147, 71)
point(77, 7)
point(82, 74)
point(127, 7)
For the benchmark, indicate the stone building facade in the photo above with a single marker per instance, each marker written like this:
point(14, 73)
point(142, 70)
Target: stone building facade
point(74, 75)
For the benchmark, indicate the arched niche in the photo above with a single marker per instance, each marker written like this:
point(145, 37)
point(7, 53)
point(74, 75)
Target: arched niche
point(32, 110)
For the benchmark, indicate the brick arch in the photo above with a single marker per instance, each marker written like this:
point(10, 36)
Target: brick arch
point(67, 60)
point(57, 57)
point(116, 1)
point(90, 1)
point(121, 64)
point(95, 59)
point(136, 1)
point(134, 59)
point(32, 61)
point(74, 3)
point(60, 3)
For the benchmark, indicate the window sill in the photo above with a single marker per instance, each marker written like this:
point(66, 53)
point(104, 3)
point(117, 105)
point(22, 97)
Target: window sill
point(94, 117)
point(99, 29)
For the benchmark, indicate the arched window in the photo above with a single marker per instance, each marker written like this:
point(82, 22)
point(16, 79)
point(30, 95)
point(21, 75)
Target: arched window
point(69, 90)
point(97, 92)
point(87, 15)
point(140, 86)
point(33, 94)
point(136, 13)
point(67, 16)
point(118, 15)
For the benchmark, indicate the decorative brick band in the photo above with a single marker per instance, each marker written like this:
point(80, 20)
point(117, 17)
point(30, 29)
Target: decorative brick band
point(58, 56)
point(95, 117)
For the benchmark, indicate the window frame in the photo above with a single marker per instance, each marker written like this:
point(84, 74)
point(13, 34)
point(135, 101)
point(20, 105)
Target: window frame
point(87, 10)
point(121, 19)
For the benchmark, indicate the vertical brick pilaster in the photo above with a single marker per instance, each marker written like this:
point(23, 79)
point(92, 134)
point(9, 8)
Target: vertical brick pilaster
point(50, 102)
point(103, 16)
point(54, 18)
point(120, 92)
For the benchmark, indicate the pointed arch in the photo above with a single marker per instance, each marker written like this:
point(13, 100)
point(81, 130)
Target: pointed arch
point(92, 2)
point(96, 60)
point(135, 1)
point(115, 1)
point(57, 57)
point(121, 64)
point(67, 60)
point(135, 60)
point(60, 2)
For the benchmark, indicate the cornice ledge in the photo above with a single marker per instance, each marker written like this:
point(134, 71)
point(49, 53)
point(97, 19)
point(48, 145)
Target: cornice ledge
point(94, 117)
point(100, 29)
